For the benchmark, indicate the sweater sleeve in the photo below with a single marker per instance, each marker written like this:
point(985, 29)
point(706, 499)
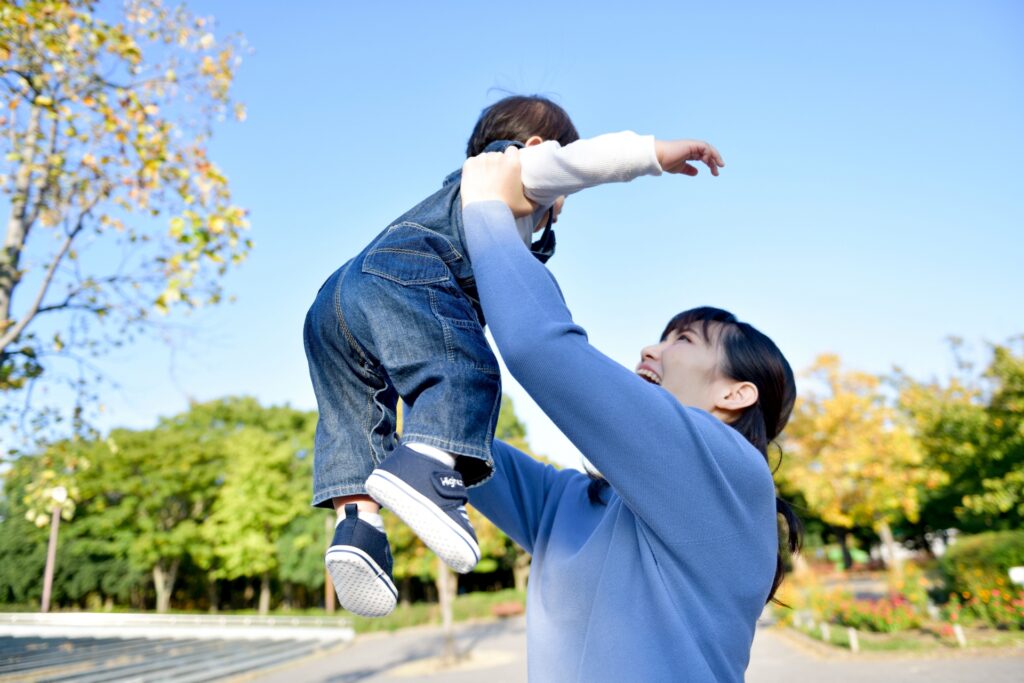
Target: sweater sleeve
point(662, 458)
point(514, 498)
point(550, 171)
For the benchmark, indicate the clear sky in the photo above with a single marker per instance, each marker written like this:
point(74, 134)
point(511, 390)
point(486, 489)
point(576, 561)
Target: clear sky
point(872, 202)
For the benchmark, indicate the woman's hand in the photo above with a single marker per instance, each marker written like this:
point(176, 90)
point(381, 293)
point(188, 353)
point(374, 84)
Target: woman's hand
point(496, 176)
point(673, 155)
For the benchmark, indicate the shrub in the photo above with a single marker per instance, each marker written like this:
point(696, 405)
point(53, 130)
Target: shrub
point(981, 562)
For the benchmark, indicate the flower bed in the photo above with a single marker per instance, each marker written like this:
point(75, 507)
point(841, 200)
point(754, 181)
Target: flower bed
point(895, 613)
point(886, 615)
point(1000, 608)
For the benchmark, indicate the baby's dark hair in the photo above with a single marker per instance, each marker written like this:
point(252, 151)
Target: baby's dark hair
point(520, 117)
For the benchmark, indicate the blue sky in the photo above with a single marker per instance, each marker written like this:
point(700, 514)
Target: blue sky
point(872, 202)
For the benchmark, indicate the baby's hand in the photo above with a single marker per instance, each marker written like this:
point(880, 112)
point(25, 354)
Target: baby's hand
point(496, 175)
point(673, 156)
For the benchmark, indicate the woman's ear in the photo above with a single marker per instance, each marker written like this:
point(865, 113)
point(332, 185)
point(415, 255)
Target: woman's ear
point(533, 140)
point(738, 396)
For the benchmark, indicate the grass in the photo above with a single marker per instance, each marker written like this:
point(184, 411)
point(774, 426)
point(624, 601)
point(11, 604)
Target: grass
point(467, 606)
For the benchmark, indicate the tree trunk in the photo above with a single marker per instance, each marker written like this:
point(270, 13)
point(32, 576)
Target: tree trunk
point(405, 591)
point(447, 583)
point(212, 594)
point(895, 564)
point(844, 546)
point(521, 570)
point(19, 222)
point(163, 582)
point(287, 596)
point(265, 594)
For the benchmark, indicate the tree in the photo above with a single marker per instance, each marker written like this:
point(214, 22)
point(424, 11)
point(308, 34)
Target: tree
point(260, 497)
point(22, 542)
point(971, 428)
point(852, 456)
point(300, 553)
point(162, 483)
point(1001, 496)
point(115, 210)
point(218, 491)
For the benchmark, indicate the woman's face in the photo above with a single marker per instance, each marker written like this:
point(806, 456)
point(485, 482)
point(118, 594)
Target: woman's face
point(687, 365)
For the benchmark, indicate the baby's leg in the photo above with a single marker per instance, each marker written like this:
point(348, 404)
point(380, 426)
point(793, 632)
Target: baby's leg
point(354, 431)
point(356, 403)
point(425, 334)
point(428, 340)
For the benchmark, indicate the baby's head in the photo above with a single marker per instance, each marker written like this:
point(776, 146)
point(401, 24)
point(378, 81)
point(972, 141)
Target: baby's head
point(519, 118)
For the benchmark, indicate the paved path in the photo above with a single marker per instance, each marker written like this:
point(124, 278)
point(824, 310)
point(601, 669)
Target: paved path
point(784, 658)
point(500, 649)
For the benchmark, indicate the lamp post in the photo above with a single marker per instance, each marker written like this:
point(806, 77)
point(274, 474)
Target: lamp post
point(59, 494)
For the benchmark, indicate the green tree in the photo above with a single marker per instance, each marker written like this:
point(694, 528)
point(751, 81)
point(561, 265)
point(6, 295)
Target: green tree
point(971, 428)
point(151, 490)
point(115, 210)
point(263, 486)
point(260, 497)
point(22, 542)
point(300, 552)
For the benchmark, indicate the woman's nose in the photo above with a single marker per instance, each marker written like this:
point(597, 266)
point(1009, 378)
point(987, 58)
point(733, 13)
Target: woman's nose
point(649, 353)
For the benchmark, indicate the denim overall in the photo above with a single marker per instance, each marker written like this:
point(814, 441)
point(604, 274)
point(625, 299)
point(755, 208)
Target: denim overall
point(402, 319)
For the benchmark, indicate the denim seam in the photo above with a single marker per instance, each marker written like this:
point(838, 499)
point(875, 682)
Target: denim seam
point(398, 280)
point(449, 342)
point(364, 360)
point(466, 324)
point(373, 406)
point(489, 436)
point(325, 494)
point(377, 450)
point(457, 447)
point(453, 254)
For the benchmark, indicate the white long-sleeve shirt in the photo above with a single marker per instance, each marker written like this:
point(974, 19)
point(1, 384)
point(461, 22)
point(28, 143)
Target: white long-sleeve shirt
point(551, 171)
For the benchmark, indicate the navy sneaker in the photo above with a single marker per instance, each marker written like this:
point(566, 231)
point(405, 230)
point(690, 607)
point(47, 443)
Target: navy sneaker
point(359, 562)
point(431, 499)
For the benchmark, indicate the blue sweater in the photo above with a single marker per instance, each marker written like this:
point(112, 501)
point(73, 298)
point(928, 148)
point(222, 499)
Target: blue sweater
point(666, 581)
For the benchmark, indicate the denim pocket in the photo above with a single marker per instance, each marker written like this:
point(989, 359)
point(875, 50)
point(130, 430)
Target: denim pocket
point(410, 254)
point(464, 338)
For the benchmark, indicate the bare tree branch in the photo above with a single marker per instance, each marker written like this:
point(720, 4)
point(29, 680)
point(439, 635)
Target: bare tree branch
point(14, 332)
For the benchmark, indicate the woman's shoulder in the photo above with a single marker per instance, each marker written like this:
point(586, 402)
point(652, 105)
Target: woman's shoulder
point(725, 449)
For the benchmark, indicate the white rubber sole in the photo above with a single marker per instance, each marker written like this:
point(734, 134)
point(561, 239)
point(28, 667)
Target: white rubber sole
point(363, 588)
point(447, 539)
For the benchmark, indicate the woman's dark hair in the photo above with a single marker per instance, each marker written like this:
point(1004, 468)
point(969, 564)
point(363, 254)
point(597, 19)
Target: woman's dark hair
point(747, 356)
point(520, 117)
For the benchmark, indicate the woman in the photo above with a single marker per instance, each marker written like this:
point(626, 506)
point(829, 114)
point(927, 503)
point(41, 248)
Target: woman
point(659, 575)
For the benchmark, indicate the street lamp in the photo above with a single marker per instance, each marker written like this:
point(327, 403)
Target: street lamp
point(59, 494)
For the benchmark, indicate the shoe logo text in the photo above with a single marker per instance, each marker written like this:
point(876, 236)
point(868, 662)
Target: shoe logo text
point(451, 482)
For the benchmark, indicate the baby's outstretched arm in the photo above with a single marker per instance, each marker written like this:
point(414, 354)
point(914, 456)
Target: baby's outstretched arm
point(551, 171)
